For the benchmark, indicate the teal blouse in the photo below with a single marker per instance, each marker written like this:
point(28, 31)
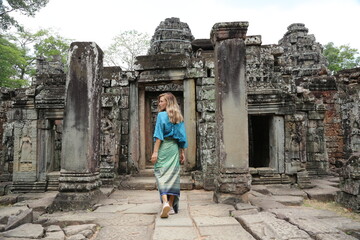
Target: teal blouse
point(165, 129)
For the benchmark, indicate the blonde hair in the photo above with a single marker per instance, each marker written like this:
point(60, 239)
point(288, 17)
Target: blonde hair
point(172, 107)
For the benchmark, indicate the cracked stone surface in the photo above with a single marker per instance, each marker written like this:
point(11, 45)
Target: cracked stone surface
point(135, 214)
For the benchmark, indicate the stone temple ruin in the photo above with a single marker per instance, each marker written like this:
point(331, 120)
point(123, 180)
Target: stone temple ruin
point(254, 114)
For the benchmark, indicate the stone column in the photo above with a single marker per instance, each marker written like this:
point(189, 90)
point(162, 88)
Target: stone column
point(190, 122)
point(233, 180)
point(79, 180)
point(134, 138)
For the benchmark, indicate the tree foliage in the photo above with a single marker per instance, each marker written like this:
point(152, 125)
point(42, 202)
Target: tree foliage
point(25, 7)
point(126, 46)
point(10, 58)
point(342, 57)
point(29, 46)
point(43, 43)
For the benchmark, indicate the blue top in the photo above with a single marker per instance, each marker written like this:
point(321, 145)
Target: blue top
point(165, 129)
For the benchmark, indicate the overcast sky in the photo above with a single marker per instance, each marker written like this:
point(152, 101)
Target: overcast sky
point(93, 20)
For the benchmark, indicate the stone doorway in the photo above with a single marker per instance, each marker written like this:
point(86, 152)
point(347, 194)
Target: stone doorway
point(259, 141)
point(266, 142)
point(150, 120)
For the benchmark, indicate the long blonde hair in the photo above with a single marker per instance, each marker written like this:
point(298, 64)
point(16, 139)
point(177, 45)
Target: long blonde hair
point(172, 107)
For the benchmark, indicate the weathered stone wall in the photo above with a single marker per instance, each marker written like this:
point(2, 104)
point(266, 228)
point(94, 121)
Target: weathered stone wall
point(6, 136)
point(350, 183)
point(348, 108)
point(348, 100)
point(263, 65)
point(205, 108)
point(115, 122)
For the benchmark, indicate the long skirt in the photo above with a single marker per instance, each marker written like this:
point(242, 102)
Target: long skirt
point(167, 171)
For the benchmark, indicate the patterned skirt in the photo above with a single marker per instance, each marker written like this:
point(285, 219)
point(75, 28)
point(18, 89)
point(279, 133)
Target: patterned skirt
point(167, 170)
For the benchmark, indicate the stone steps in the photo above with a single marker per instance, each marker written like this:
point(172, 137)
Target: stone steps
point(149, 183)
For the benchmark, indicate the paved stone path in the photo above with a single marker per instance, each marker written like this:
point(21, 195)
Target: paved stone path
point(275, 212)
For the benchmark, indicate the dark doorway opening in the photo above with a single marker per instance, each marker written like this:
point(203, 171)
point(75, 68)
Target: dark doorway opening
point(259, 128)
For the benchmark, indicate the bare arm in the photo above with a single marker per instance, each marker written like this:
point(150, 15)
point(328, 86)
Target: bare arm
point(154, 156)
point(182, 155)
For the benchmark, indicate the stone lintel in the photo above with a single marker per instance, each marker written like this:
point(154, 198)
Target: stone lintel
point(234, 170)
point(204, 44)
point(162, 75)
point(228, 30)
point(161, 61)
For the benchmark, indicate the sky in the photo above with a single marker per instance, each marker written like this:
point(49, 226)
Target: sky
point(100, 21)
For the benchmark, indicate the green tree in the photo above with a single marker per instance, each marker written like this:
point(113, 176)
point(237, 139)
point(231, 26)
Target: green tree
point(43, 43)
point(25, 7)
point(343, 57)
point(10, 58)
point(126, 46)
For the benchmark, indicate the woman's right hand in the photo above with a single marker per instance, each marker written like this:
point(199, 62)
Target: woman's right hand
point(182, 156)
point(154, 157)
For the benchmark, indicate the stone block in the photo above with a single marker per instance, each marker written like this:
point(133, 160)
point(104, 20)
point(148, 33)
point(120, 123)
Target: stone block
point(215, 210)
point(27, 230)
point(146, 208)
point(350, 186)
point(205, 105)
point(53, 228)
point(349, 200)
point(313, 227)
point(161, 61)
point(205, 93)
point(195, 73)
point(253, 40)
point(289, 200)
point(123, 233)
point(334, 236)
point(265, 203)
point(75, 229)
point(265, 225)
point(124, 102)
point(162, 75)
point(210, 221)
point(173, 233)
point(207, 117)
point(25, 216)
point(173, 221)
point(56, 235)
point(207, 129)
point(226, 232)
point(68, 201)
point(205, 81)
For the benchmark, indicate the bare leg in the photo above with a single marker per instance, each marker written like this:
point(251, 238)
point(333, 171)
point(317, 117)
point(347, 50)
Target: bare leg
point(164, 198)
point(171, 200)
point(166, 208)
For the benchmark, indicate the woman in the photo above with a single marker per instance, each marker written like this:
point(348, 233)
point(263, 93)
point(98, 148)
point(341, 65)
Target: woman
point(169, 152)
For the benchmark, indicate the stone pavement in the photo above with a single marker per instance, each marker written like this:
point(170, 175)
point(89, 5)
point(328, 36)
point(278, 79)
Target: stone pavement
point(274, 212)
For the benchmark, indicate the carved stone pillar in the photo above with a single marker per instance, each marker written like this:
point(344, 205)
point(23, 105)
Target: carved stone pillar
point(79, 180)
point(233, 180)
